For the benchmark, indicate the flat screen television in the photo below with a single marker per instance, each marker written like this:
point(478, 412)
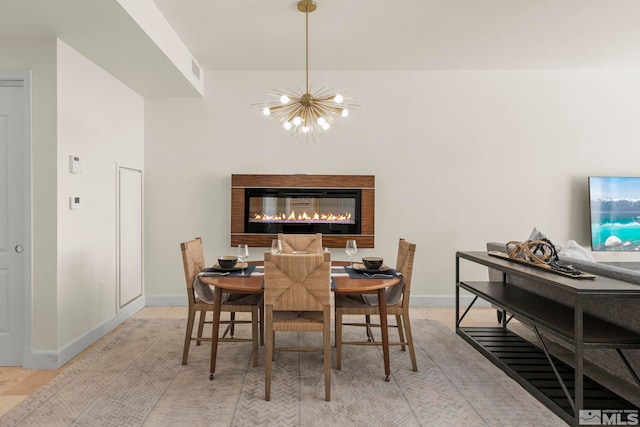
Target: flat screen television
point(614, 204)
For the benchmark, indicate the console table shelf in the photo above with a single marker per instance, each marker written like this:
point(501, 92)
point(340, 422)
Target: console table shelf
point(562, 388)
point(528, 365)
point(552, 316)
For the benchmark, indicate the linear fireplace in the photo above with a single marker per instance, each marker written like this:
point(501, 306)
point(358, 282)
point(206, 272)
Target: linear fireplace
point(338, 206)
point(302, 210)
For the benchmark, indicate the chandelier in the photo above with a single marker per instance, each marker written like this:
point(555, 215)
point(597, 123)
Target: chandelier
point(306, 114)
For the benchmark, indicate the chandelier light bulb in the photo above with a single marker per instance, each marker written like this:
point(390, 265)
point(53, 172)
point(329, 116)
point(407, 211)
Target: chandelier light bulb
point(284, 99)
point(305, 129)
point(325, 126)
point(321, 121)
point(338, 98)
point(344, 113)
point(297, 120)
point(266, 111)
point(287, 125)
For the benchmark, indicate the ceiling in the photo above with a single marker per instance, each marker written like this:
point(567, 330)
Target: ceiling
point(343, 35)
point(410, 34)
point(103, 32)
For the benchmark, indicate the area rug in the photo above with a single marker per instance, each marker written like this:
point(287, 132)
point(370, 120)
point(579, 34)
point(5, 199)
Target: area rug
point(133, 377)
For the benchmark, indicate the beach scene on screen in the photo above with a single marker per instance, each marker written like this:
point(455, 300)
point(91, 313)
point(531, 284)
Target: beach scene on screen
point(615, 213)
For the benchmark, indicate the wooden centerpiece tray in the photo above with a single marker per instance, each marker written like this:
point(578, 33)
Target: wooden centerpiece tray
point(545, 267)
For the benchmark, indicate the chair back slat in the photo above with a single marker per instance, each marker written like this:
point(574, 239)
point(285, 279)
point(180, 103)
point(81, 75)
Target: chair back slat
point(404, 264)
point(193, 261)
point(310, 243)
point(296, 282)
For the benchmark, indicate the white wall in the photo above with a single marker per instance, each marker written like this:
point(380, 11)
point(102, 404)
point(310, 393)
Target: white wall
point(38, 55)
point(77, 108)
point(102, 121)
point(460, 158)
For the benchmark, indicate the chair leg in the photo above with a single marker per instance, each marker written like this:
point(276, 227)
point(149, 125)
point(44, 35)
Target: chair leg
point(327, 359)
point(187, 335)
point(254, 334)
point(268, 358)
point(400, 334)
point(273, 345)
point(202, 318)
point(367, 321)
point(338, 339)
point(261, 309)
point(412, 352)
point(233, 323)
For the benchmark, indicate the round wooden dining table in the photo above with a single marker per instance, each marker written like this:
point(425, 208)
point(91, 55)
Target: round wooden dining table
point(343, 285)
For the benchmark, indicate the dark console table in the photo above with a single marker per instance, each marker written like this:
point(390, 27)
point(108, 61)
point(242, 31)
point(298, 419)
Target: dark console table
point(562, 388)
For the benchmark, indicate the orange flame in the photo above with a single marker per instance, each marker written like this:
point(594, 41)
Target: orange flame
point(303, 216)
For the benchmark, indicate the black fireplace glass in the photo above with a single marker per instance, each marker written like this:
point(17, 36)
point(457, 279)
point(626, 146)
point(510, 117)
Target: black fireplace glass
point(298, 210)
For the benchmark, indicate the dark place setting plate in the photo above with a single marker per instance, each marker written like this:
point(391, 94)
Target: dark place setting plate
point(361, 268)
point(217, 267)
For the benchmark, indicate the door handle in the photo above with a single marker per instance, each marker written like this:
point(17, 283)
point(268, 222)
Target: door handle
point(19, 248)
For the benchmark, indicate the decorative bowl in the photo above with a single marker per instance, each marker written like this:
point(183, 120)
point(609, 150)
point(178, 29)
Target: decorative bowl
point(372, 262)
point(227, 261)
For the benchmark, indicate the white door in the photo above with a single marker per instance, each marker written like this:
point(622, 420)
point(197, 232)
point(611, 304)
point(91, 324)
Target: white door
point(12, 224)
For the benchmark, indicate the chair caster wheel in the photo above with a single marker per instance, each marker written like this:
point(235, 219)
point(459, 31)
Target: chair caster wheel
point(210, 377)
point(387, 379)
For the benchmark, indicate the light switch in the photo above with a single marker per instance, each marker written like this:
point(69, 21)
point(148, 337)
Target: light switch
point(74, 202)
point(74, 164)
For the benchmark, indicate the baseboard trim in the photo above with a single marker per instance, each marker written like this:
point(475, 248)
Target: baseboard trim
point(54, 360)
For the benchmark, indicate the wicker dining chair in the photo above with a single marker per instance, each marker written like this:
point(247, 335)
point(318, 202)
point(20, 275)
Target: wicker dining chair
point(310, 243)
point(200, 299)
point(297, 297)
point(367, 305)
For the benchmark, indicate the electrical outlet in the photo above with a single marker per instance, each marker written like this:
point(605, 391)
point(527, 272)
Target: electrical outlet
point(101, 288)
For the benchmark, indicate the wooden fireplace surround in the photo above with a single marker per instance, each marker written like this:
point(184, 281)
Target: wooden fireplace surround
point(365, 183)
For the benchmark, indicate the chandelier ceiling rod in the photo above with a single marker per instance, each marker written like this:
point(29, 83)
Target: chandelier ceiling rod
point(307, 6)
point(306, 14)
